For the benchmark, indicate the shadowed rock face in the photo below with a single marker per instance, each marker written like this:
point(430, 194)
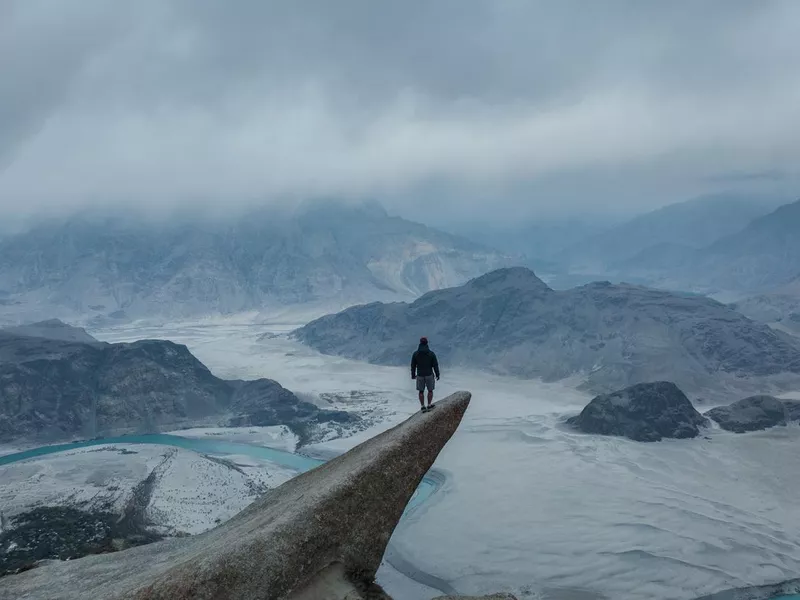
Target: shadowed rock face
point(755, 413)
point(341, 513)
point(646, 412)
point(54, 389)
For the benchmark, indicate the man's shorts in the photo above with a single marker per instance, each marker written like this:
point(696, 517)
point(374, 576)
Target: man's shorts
point(423, 382)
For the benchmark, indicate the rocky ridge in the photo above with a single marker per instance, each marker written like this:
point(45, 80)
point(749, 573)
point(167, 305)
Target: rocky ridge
point(611, 336)
point(52, 389)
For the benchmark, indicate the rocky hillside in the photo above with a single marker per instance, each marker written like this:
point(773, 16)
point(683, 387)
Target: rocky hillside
point(118, 268)
point(611, 336)
point(54, 389)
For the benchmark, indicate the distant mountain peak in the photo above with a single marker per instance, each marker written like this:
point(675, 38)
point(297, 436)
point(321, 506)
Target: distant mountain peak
point(521, 278)
point(333, 252)
point(52, 329)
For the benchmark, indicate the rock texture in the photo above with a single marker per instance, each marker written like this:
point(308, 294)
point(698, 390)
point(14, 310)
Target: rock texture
point(647, 412)
point(51, 389)
point(611, 335)
point(341, 513)
point(755, 413)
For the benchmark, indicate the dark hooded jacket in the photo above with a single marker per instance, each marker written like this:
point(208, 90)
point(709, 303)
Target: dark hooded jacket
point(424, 362)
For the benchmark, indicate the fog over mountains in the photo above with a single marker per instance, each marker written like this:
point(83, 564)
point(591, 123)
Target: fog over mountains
point(692, 224)
point(720, 245)
point(115, 268)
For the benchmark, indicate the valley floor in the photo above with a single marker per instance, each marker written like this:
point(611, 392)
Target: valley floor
point(527, 505)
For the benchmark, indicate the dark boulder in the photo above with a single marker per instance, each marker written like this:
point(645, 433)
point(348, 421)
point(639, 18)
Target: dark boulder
point(752, 414)
point(645, 412)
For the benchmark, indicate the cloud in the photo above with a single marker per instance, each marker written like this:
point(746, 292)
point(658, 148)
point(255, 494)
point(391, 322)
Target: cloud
point(175, 103)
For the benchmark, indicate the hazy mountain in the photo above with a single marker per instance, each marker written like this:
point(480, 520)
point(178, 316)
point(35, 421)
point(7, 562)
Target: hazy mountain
point(760, 258)
point(764, 255)
point(674, 228)
point(609, 335)
point(541, 239)
point(54, 389)
point(123, 268)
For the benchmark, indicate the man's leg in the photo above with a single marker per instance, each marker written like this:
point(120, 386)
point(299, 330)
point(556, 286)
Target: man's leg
point(422, 399)
point(431, 382)
point(430, 397)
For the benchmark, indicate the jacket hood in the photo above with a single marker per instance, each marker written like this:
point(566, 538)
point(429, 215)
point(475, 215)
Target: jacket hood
point(423, 348)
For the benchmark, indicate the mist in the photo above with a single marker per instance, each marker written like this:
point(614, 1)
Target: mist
point(448, 112)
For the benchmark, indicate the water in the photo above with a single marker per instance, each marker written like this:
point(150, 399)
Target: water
point(296, 462)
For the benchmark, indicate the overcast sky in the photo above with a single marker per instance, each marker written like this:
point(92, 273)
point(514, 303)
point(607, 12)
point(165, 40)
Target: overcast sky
point(452, 108)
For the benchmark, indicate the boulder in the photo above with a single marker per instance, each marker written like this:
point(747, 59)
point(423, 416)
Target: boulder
point(752, 414)
point(329, 525)
point(645, 412)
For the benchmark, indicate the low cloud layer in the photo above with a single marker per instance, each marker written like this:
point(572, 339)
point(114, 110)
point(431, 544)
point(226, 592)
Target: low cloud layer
point(489, 107)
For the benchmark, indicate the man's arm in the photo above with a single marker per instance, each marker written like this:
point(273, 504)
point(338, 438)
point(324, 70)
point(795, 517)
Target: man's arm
point(435, 365)
point(414, 366)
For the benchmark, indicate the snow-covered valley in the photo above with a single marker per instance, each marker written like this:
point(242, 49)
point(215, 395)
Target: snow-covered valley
point(530, 506)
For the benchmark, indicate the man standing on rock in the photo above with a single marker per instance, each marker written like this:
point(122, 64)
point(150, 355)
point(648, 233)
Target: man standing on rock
point(424, 365)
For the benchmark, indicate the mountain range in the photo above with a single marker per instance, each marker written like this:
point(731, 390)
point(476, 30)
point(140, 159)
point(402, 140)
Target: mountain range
point(115, 268)
point(683, 226)
point(55, 388)
point(760, 258)
point(608, 336)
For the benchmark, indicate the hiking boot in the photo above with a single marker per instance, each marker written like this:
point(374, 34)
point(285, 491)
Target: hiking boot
point(423, 409)
point(430, 406)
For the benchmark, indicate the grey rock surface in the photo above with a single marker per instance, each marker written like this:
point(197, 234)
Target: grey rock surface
point(646, 412)
point(342, 512)
point(755, 413)
point(115, 269)
point(612, 336)
point(51, 389)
